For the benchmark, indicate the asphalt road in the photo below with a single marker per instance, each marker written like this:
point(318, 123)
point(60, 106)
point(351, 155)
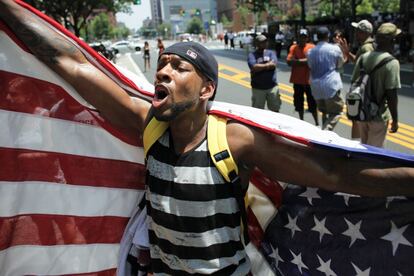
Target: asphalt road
point(234, 87)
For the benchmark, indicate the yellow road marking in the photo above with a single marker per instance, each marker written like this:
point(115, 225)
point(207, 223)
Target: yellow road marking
point(404, 136)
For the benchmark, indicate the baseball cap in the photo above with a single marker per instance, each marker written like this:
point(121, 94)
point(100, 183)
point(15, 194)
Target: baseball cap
point(322, 31)
point(197, 55)
point(388, 29)
point(261, 38)
point(303, 32)
point(363, 25)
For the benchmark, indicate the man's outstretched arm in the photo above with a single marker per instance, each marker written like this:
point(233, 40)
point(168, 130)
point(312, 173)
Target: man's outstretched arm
point(67, 60)
point(290, 162)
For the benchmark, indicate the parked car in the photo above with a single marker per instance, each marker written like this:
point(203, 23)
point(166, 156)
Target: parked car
point(120, 47)
point(136, 45)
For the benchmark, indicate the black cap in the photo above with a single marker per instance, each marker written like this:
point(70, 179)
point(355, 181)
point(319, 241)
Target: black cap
point(197, 55)
point(322, 31)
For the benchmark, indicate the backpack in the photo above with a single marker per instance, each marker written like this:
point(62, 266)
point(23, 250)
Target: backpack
point(359, 101)
point(220, 155)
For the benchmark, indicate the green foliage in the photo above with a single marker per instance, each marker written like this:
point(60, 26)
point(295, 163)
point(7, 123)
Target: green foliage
point(100, 27)
point(225, 21)
point(343, 8)
point(294, 12)
point(195, 26)
point(387, 5)
point(119, 32)
point(366, 7)
point(74, 14)
point(254, 6)
point(243, 11)
point(162, 27)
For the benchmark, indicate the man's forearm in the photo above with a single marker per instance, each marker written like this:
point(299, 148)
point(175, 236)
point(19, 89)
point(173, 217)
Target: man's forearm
point(45, 43)
point(392, 101)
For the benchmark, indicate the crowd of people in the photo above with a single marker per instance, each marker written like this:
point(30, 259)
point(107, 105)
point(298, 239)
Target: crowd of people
point(316, 71)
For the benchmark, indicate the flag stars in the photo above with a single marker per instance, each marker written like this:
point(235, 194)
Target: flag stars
point(320, 227)
point(297, 260)
point(325, 267)
point(292, 225)
point(275, 255)
point(359, 272)
point(353, 231)
point(310, 194)
point(395, 236)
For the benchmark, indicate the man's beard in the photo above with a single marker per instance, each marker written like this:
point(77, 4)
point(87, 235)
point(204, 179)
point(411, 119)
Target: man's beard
point(176, 109)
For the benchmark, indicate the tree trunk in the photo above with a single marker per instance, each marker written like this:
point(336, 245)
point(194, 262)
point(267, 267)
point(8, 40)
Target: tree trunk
point(353, 10)
point(302, 13)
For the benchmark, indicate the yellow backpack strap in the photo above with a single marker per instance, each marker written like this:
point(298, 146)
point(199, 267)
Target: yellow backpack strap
point(154, 130)
point(223, 160)
point(219, 149)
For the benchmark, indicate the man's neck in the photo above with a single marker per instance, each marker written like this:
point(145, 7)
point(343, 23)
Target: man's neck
point(188, 131)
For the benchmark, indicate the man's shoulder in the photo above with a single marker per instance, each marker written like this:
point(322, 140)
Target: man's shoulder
point(374, 57)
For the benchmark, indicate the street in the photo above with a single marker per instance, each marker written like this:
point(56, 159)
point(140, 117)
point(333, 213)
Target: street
point(234, 87)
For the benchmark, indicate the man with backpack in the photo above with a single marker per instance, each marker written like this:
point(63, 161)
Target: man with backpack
point(383, 85)
point(363, 36)
point(193, 211)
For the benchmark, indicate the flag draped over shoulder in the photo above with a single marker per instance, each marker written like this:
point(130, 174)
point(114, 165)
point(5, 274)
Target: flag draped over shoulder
point(69, 181)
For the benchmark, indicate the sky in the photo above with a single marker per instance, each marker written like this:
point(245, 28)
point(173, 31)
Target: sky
point(139, 13)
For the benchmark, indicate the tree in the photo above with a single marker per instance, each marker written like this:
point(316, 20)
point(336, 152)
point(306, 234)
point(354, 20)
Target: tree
point(254, 6)
point(244, 12)
point(119, 32)
point(195, 26)
point(366, 7)
point(294, 12)
point(164, 26)
point(100, 27)
point(74, 14)
point(225, 21)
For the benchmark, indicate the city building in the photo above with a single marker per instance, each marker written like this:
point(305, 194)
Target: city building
point(156, 11)
point(179, 12)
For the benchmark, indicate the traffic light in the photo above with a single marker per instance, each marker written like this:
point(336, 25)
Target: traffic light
point(197, 12)
point(137, 2)
point(182, 12)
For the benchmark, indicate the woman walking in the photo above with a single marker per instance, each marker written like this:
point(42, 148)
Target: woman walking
point(146, 56)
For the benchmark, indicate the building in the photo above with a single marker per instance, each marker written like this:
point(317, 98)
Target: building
point(179, 12)
point(156, 11)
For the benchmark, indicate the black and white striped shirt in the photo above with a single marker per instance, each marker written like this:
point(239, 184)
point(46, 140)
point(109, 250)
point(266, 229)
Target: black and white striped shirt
point(194, 219)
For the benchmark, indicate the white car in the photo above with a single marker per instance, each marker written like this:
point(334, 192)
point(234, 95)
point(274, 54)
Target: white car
point(121, 47)
point(136, 45)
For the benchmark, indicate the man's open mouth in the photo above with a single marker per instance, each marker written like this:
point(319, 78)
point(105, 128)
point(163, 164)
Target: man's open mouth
point(160, 95)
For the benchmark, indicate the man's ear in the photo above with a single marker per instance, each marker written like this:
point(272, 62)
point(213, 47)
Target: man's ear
point(207, 91)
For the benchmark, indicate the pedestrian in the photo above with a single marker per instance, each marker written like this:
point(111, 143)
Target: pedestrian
point(146, 56)
point(160, 46)
point(279, 42)
point(226, 40)
point(324, 60)
point(385, 83)
point(204, 238)
point(262, 64)
point(231, 39)
point(297, 59)
point(363, 36)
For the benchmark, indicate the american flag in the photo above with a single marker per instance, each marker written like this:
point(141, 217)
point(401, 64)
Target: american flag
point(69, 181)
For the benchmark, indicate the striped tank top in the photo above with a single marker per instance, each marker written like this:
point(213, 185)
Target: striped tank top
point(194, 219)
